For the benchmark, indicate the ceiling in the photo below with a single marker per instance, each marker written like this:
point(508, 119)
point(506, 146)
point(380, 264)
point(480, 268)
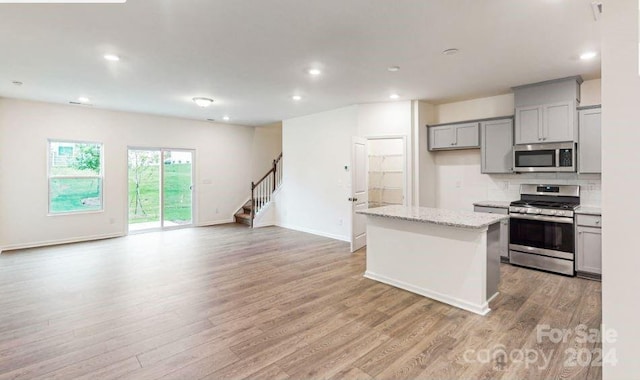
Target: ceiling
point(251, 56)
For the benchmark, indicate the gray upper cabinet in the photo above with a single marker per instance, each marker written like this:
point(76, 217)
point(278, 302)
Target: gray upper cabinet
point(441, 137)
point(546, 112)
point(454, 136)
point(467, 136)
point(528, 125)
point(559, 122)
point(590, 141)
point(496, 146)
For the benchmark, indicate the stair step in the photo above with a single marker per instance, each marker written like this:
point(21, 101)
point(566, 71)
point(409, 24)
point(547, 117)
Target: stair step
point(243, 219)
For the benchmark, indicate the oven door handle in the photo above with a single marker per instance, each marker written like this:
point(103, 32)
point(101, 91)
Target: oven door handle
point(543, 218)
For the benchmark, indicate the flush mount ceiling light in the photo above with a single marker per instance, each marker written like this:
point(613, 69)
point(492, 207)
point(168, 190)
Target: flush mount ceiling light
point(314, 72)
point(111, 57)
point(84, 99)
point(394, 96)
point(393, 69)
point(203, 102)
point(452, 51)
point(296, 97)
point(588, 55)
point(226, 118)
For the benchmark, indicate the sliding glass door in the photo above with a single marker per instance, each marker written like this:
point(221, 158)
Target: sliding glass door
point(177, 187)
point(160, 188)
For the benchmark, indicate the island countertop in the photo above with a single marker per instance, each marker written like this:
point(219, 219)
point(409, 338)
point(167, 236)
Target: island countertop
point(453, 218)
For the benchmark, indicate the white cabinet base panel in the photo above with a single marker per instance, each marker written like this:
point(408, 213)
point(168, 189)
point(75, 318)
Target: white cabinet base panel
point(456, 266)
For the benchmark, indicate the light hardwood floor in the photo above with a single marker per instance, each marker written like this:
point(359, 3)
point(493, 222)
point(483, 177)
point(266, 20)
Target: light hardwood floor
point(230, 302)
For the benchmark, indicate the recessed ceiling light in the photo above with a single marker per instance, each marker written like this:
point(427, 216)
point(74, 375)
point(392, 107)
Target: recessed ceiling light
point(452, 51)
point(111, 57)
point(588, 55)
point(314, 72)
point(393, 69)
point(226, 118)
point(17, 82)
point(203, 102)
point(296, 97)
point(84, 99)
point(394, 96)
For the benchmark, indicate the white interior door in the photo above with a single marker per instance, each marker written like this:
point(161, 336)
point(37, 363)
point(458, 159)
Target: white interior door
point(359, 192)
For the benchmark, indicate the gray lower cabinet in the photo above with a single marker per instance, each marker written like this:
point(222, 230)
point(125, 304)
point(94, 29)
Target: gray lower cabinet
point(590, 141)
point(496, 146)
point(589, 246)
point(454, 136)
point(504, 229)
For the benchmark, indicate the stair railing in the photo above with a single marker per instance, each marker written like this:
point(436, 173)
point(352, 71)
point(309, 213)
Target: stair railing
point(262, 191)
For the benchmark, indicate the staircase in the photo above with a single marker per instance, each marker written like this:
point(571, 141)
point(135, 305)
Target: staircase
point(261, 194)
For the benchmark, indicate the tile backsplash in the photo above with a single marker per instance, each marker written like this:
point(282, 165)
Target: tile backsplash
point(507, 186)
point(460, 182)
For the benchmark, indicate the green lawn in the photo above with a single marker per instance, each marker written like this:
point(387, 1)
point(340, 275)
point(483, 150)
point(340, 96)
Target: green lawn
point(177, 195)
point(74, 194)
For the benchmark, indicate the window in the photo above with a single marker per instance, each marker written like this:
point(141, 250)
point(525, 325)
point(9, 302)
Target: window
point(75, 176)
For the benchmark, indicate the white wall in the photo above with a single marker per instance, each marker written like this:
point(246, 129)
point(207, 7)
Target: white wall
point(621, 181)
point(591, 92)
point(458, 177)
point(316, 149)
point(481, 108)
point(390, 119)
point(384, 119)
point(425, 185)
point(267, 145)
point(223, 169)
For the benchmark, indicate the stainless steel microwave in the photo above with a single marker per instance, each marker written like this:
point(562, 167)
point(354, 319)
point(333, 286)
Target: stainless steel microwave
point(560, 157)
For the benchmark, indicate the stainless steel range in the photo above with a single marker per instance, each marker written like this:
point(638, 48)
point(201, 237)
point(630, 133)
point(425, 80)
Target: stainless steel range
point(542, 231)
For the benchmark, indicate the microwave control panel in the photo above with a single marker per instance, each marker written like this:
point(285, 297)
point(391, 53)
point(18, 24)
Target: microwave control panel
point(566, 157)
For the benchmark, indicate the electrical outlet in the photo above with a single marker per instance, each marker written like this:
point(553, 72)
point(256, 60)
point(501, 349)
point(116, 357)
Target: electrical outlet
point(339, 222)
point(458, 184)
point(217, 210)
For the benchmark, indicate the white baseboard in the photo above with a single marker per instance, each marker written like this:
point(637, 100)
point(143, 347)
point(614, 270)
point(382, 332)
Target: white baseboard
point(47, 243)
point(482, 309)
point(216, 222)
point(314, 232)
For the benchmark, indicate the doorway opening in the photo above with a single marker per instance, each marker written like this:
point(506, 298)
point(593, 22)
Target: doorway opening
point(160, 188)
point(387, 174)
point(378, 178)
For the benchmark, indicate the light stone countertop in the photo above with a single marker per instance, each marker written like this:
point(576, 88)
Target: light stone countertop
point(452, 218)
point(589, 210)
point(497, 204)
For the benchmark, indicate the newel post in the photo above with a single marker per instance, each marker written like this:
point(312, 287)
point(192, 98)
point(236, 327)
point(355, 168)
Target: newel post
point(275, 172)
point(253, 205)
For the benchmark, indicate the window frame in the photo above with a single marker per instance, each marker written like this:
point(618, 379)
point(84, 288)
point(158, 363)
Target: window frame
point(99, 176)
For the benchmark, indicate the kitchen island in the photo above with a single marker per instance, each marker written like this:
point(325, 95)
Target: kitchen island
point(449, 256)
